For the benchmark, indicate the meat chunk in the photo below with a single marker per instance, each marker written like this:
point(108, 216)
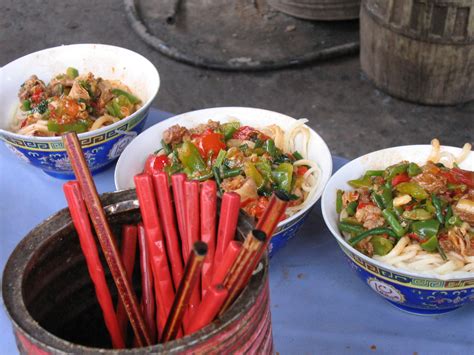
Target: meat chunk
point(431, 179)
point(175, 134)
point(201, 128)
point(465, 209)
point(370, 216)
point(33, 87)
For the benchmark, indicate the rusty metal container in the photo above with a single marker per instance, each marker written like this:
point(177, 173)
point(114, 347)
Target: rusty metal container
point(419, 50)
point(51, 301)
point(323, 10)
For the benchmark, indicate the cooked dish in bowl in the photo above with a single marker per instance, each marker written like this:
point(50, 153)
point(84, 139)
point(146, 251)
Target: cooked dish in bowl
point(415, 217)
point(254, 162)
point(71, 102)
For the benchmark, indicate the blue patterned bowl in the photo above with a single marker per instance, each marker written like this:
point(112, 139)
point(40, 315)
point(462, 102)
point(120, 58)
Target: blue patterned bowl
point(414, 292)
point(102, 146)
point(133, 159)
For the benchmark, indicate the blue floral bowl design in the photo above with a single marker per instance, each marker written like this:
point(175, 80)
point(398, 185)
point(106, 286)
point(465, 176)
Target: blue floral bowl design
point(414, 292)
point(101, 147)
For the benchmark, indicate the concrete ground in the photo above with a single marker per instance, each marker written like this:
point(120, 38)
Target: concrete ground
point(342, 105)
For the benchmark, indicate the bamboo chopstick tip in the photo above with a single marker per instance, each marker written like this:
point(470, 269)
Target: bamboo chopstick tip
point(200, 248)
point(261, 236)
point(282, 195)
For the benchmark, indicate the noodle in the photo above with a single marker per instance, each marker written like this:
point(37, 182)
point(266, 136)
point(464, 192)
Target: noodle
point(103, 121)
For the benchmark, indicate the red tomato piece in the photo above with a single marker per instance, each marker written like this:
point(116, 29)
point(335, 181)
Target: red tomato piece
point(301, 170)
point(208, 141)
point(398, 179)
point(155, 163)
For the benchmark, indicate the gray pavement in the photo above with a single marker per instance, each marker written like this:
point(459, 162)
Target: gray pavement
point(342, 105)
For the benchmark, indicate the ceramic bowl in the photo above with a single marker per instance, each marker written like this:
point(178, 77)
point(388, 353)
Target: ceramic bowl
point(419, 293)
point(133, 158)
point(102, 146)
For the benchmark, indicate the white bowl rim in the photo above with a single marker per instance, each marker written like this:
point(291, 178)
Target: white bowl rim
point(323, 143)
point(88, 134)
point(341, 240)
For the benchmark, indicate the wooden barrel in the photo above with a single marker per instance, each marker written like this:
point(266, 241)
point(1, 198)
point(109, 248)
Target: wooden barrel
point(324, 10)
point(419, 50)
point(50, 298)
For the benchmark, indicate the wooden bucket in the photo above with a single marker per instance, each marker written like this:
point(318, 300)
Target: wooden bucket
point(419, 50)
point(51, 300)
point(324, 10)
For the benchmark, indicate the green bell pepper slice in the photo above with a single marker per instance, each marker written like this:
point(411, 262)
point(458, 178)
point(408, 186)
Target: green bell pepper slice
point(78, 127)
point(283, 176)
point(374, 173)
point(265, 169)
point(71, 72)
point(26, 105)
point(431, 244)
point(251, 172)
point(413, 169)
point(228, 129)
point(381, 245)
point(364, 181)
point(132, 98)
point(417, 214)
point(394, 170)
point(426, 229)
point(412, 189)
point(190, 158)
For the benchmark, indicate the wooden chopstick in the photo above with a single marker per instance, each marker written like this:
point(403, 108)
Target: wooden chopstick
point(105, 236)
point(211, 304)
point(185, 290)
point(228, 218)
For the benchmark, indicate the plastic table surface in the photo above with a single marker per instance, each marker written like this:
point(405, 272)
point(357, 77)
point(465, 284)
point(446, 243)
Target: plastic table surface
point(318, 305)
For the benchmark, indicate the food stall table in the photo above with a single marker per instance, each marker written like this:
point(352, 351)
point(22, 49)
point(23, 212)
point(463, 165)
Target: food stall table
point(318, 305)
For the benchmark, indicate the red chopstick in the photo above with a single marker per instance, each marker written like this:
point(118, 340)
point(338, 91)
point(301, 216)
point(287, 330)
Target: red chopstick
point(177, 182)
point(164, 291)
point(185, 290)
point(163, 194)
point(191, 189)
point(221, 270)
point(208, 229)
point(228, 218)
point(148, 296)
point(209, 308)
point(128, 251)
point(81, 222)
point(105, 236)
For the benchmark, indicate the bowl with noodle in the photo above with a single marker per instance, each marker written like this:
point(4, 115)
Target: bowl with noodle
point(101, 92)
point(404, 218)
point(249, 151)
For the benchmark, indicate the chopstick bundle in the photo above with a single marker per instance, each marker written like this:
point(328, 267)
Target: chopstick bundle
point(186, 288)
point(148, 296)
point(222, 264)
point(89, 249)
point(208, 200)
point(105, 236)
point(164, 290)
point(163, 195)
point(128, 250)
